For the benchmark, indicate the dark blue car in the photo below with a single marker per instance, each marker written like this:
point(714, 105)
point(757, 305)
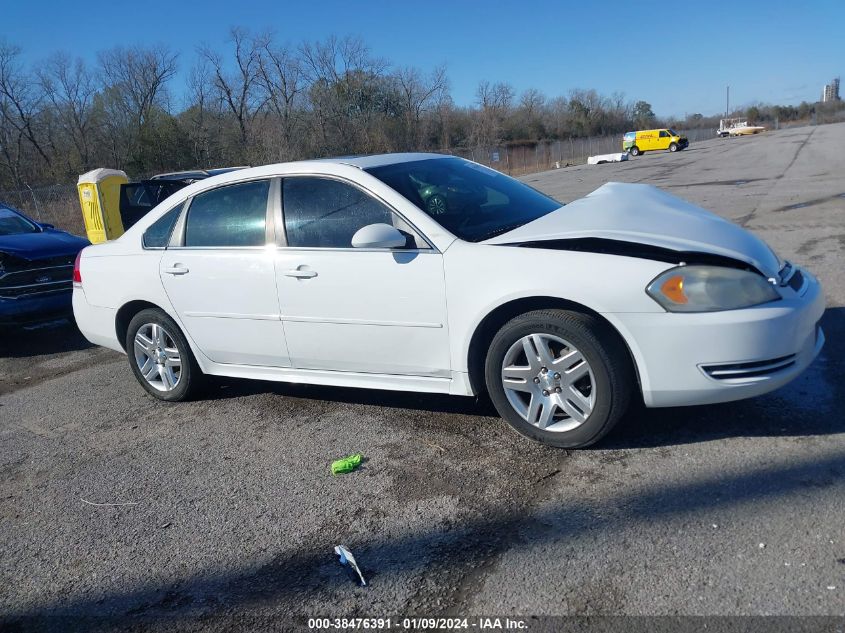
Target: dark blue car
point(36, 268)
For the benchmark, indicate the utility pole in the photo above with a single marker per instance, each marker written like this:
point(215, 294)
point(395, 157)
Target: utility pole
point(728, 103)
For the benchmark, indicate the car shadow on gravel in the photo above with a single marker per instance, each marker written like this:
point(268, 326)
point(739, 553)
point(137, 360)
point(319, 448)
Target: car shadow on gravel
point(280, 590)
point(801, 408)
point(53, 337)
point(225, 388)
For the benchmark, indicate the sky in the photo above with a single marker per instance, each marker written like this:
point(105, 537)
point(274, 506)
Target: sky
point(679, 55)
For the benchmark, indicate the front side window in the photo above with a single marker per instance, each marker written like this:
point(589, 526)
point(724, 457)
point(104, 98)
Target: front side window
point(234, 216)
point(158, 233)
point(326, 213)
point(664, 134)
point(473, 202)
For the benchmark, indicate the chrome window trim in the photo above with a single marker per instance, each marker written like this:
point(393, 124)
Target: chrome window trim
point(274, 213)
point(177, 237)
point(283, 243)
point(222, 248)
point(341, 249)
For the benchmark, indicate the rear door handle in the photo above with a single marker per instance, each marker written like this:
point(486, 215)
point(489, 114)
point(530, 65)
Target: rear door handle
point(177, 269)
point(301, 274)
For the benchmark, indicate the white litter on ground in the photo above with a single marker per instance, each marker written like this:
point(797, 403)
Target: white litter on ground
point(607, 158)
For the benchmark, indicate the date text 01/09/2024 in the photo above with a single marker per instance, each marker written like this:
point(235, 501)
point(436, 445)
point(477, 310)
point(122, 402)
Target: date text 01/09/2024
point(417, 623)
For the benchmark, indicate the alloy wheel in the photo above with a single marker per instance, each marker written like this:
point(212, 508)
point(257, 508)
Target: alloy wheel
point(548, 382)
point(437, 205)
point(157, 357)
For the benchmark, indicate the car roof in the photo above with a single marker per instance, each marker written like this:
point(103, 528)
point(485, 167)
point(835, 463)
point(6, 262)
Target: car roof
point(197, 174)
point(379, 160)
point(272, 170)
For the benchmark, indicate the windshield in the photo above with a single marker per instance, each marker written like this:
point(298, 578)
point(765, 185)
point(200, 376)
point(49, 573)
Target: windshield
point(473, 202)
point(12, 223)
point(673, 133)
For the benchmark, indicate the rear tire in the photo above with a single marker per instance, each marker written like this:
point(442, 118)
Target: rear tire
point(160, 357)
point(634, 151)
point(568, 375)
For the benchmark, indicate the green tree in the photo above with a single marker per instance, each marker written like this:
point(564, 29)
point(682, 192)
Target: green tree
point(643, 114)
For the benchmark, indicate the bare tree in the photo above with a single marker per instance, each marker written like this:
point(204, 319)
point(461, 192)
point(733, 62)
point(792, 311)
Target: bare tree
point(140, 76)
point(420, 94)
point(282, 77)
point(20, 106)
point(70, 88)
point(346, 93)
point(529, 115)
point(494, 102)
point(238, 90)
point(198, 115)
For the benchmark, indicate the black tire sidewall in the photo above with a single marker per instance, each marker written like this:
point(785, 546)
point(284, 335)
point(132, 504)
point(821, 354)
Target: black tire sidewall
point(583, 333)
point(635, 151)
point(673, 147)
point(190, 373)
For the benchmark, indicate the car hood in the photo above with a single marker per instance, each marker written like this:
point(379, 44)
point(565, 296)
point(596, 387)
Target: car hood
point(47, 243)
point(646, 215)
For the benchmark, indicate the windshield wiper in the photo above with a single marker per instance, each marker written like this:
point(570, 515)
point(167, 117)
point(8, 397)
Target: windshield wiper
point(500, 231)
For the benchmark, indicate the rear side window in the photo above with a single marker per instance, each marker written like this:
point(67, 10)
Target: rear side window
point(325, 213)
point(158, 233)
point(235, 215)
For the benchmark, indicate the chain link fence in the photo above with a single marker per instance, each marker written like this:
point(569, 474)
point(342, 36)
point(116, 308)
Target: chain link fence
point(59, 204)
point(526, 158)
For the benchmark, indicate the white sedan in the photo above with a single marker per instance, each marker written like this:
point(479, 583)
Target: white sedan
point(422, 272)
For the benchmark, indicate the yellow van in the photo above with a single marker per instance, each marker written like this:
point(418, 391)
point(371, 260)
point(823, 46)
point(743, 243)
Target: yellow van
point(635, 143)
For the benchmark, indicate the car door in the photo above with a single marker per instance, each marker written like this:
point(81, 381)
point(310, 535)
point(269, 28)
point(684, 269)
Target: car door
point(350, 309)
point(218, 273)
point(664, 140)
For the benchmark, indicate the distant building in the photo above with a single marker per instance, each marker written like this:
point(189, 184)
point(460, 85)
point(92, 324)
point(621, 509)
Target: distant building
point(830, 92)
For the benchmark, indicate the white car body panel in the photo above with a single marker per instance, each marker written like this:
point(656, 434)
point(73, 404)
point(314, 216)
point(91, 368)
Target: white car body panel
point(231, 291)
point(404, 320)
point(369, 311)
point(645, 214)
point(499, 277)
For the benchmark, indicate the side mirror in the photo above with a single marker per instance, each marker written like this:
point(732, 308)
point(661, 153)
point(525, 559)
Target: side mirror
point(378, 236)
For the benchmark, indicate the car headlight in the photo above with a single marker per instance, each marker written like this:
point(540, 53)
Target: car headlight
point(710, 289)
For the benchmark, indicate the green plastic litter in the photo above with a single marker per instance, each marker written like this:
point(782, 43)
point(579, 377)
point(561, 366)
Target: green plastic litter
point(347, 464)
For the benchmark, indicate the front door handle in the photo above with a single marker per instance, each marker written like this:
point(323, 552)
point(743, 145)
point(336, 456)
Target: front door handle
point(301, 274)
point(176, 269)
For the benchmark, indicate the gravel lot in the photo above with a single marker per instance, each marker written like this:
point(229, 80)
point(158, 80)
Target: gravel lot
point(225, 513)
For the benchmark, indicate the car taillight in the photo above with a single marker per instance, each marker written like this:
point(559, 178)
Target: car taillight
point(77, 276)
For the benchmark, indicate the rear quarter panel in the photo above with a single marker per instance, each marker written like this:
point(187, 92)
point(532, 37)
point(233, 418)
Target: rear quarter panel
point(110, 281)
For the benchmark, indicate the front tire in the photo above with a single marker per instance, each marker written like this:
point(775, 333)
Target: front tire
point(558, 377)
point(160, 357)
point(673, 147)
point(634, 151)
